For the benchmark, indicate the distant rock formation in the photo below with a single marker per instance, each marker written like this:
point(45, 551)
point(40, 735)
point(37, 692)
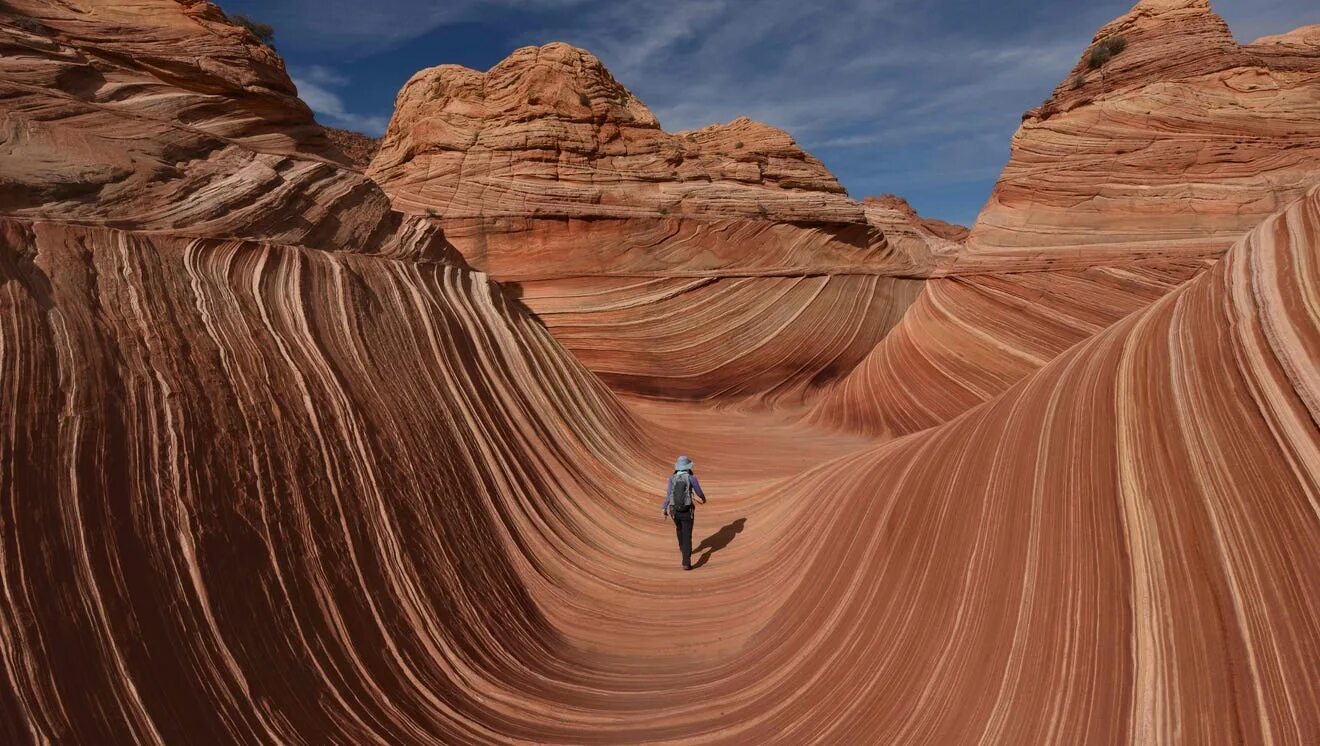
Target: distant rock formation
point(1176, 145)
point(637, 246)
point(278, 466)
point(548, 132)
point(357, 148)
point(1131, 179)
point(894, 213)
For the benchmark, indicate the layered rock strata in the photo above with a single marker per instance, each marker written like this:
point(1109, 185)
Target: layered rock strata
point(641, 249)
point(1175, 146)
point(1133, 176)
point(275, 466)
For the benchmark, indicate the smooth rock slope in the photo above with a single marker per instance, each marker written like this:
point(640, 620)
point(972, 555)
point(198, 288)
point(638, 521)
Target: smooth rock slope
point(720, 264)
point(1130, 179)
point(278, 466)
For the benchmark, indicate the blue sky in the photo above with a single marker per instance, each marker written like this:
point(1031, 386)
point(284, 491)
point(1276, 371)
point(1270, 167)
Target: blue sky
point(915, 98)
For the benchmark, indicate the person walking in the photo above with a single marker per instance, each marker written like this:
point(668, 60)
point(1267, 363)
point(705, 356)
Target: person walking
point(679, 506)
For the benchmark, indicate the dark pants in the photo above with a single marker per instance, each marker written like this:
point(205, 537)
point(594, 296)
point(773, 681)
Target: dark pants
point(683, 526)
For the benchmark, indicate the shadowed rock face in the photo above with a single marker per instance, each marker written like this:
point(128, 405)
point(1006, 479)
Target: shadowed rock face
point(357, 148)
point(277, 466)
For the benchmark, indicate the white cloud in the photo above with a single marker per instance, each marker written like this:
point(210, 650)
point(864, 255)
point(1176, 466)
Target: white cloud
point(895, 94)
point(322, 75)
point(314, 85)
point(353, 28)
point(850, 141)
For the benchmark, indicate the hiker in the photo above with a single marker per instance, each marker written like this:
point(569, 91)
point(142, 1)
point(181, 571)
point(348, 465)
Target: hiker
point(679, 506)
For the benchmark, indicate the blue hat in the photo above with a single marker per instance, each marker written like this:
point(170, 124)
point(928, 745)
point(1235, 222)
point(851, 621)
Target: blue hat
point(683, 464)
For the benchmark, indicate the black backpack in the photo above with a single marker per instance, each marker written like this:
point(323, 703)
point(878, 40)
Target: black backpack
point(680, 497)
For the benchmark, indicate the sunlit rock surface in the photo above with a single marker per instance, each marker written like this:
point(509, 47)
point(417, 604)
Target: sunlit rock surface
point(1131, 178)
point(720, 264)
point(277, 466)
point(548, 131)
point(1176, 146)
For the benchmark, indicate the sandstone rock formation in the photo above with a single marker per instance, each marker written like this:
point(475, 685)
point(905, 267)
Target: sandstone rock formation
point(724, 263)
point(232, 381)
point(549, 132)
point(1165, 467)
point(966, 339)
point(183, 122)
point(357, 148)
point(277, 466)
point(1129, 180)
point(892, 212)
point(1175, 146)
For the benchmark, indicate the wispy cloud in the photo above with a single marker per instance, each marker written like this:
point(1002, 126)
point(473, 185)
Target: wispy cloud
point(850, 141)
point(354, 29)
point(314, 84)
point(917, 97)
point(322, 76)
point(878, 90)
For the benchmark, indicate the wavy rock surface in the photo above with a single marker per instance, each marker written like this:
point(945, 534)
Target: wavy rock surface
point(724, 263)
point(128, 59)
point(549, 132)
point(1166, 468)
point(967, 339)
point(163, 116)
point(1118, 189)
point(750, 339)
point(1174, 147)
point(276, 467)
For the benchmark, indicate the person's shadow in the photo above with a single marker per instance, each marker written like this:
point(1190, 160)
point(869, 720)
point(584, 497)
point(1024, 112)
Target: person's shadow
point(717, 541)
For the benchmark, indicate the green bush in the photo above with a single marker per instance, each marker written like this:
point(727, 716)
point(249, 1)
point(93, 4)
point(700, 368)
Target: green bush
point(583, 99)
point(1078, 81)
point(262, 31)
point(738, 145)
point(1105, 51)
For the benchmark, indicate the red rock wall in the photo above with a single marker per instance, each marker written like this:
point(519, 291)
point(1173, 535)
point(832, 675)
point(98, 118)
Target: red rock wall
point(547, 172)
point(275, 466)
point(1175, 147)
point(1125, 534)
point(1118, 189)
point(966, 339)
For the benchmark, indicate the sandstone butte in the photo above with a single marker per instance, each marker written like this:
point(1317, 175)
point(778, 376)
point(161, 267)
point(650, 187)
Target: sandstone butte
point(290, 453)
point(636, 246)
point(1125, 183)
